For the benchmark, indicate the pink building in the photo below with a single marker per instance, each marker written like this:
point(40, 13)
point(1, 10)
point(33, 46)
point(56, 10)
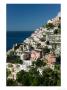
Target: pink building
point(51, 58)
point(35, 55)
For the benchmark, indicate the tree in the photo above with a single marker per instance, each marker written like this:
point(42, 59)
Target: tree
point(51, 77)
point(34, 76)
point(8, 72)
point(23, 78)
point(59, 26)
point(31, 78)
point(43, 39)
point(11, 58)
point(49, 26)
point(18, 61)
point(38, 45)
point(57, 67)
point(58, 60)
point(57, 31)
point(11, 82)
point(45, 50)
point(10, 65)
point(11, 53)
point(47, 42)
point(38, 63)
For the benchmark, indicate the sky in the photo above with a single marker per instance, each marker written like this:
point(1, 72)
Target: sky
point(28, 17)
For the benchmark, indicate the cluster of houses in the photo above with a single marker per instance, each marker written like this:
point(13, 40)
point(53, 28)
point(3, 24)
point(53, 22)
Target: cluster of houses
point(15, 68)
point(32, 48)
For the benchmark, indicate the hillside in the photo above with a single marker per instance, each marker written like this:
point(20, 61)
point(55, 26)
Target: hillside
point(37, 58)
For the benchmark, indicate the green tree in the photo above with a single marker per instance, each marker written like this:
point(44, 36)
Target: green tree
point(34, 76)
point(51, 77)
point(59, 26)
point(57, 31)
point(11, 58)
point(58, 60)
point(47, 42)
point(18, 61)
point(23, 78)
point(38, 63)
point(45, 50)
point(31, 78)
point(8, 72)
point(57, 67)
point(49, 26)
point(11, 82)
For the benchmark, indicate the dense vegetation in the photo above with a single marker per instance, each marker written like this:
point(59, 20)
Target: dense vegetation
point(49, 26)
point(57, 31)
point(12, 58)
point(33, 77)
point(8, 72)
point(11, 82)
point(45, 50)
point(38, 63)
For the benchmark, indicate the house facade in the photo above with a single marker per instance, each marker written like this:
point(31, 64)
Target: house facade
point(35, 54)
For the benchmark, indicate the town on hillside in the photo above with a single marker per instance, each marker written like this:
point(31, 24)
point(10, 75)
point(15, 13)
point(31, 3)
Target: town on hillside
point(43, 45)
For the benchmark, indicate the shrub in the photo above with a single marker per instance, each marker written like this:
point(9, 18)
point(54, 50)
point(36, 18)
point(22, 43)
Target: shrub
point(8, 72)
point(14, 59)
point(11, 82)
point(39, 63)
point(49, 26)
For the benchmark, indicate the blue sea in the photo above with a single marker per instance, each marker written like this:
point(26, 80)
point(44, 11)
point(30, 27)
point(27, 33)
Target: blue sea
point(14, 37)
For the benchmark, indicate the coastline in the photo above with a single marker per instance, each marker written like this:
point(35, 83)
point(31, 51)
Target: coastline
point(14, 37)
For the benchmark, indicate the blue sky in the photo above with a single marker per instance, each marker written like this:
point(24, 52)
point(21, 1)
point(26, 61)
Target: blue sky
point(26, 17)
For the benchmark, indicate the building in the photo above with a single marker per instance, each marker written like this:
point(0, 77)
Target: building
point(51, 59)
point(36, 54)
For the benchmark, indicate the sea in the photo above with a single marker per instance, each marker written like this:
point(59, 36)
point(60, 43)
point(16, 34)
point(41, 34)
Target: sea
point(13, 37)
